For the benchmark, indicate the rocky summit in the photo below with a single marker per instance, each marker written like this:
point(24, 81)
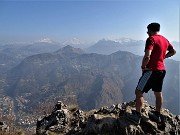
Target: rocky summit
point(106, 121)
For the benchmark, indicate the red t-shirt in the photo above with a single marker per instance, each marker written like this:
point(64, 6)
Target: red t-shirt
point(159, 46)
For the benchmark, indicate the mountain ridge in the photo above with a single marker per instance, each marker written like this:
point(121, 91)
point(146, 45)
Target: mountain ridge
point(51, 72)
point(86, 80)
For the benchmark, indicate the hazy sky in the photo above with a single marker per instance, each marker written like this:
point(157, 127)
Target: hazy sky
point(88, 20)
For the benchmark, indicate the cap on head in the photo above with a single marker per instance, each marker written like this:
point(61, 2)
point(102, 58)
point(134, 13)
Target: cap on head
point(154, 27)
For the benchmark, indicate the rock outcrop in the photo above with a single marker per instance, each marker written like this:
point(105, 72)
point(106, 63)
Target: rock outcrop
point(3, 127)
point(107, 121)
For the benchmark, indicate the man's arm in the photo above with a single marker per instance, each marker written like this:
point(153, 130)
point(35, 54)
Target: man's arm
point(170, 53)
point(146, 58)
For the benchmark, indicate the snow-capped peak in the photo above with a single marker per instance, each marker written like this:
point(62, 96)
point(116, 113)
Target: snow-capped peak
point(123, 40)
point(45, 40)
point(74, 41)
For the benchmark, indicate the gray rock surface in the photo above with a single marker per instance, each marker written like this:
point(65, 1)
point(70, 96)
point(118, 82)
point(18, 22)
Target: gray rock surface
point(108, 121)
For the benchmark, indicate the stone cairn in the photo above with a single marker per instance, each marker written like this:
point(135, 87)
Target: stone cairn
point(3, 127)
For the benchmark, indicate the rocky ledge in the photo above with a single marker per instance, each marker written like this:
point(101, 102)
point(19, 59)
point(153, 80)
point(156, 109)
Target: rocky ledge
point(106, 121)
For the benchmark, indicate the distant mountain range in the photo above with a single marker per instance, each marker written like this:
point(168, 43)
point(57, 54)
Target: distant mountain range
point(36, 73)
point(93, 80)
point(134, 46)
point(13, 54)
point(109, 46)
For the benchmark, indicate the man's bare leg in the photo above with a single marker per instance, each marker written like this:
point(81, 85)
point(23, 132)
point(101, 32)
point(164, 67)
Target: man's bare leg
point(139, 100)
point(159, 101)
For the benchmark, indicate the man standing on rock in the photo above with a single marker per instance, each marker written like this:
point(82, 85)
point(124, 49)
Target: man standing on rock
point(157, 48)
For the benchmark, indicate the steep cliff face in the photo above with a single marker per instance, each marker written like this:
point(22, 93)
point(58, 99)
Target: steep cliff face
point(108, 121)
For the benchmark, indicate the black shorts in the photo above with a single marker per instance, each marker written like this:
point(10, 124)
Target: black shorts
point(151, 80)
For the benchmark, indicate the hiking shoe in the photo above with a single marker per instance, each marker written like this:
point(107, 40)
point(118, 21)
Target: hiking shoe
point(154, 117)
point(135, 118)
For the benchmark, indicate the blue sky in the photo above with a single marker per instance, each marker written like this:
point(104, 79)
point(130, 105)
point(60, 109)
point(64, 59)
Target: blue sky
point(88, 20)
